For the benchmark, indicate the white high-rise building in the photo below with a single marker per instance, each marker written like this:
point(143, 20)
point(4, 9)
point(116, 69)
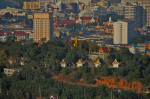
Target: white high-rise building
point(123, 31)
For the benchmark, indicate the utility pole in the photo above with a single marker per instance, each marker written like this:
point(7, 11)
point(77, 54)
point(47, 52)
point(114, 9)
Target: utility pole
point(111, 93)
point(80, 44)
point(84, 94)
point(40, 92)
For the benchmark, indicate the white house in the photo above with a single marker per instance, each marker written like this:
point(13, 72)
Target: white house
point(79, 63)
point(10, 71)
point(63, 63)
point(97, 63)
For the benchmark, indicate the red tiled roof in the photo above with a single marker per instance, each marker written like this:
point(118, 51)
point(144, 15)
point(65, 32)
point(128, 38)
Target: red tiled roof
point(106, 49)
point(2, 32)
point(20, 32)
point(54, 96)
point(15, 32)
point(70, 40)
point(87, 18)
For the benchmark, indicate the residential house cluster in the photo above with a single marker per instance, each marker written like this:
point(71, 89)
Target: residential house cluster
point(4, 35)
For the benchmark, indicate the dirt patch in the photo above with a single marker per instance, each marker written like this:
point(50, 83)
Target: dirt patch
point(108, 81)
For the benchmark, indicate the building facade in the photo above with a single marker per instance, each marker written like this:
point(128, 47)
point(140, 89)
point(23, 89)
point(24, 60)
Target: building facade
point(10, 71)
point(85, 20)
point(43, 26)
point(135, 13)
point(104, 3)
point(147, 14)
point(117, 9)
point(4, 35)
point(123, 31)
point(132, 1)
point(31, 5)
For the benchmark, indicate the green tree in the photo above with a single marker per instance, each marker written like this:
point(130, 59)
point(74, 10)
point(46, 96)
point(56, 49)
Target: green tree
point(8, 15)
point(3, 60)
point(62, 25)
point(138, 39)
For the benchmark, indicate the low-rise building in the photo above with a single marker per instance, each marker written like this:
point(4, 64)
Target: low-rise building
point(137, 49)
point(10, 10)
point(53, 97)
point(147, 89)
point(63, 63)
point(79, 63)
point(115, 64)
point(102, 42)
point(85, 20)
point(147, 45)
point(97, 63)
point(18, 34)
point(10, 71)
point(102, 53)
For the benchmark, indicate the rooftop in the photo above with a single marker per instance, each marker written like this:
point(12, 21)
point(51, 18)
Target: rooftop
point(125, 20)
point(15, 32)
point(87, 18)
point(13, 68)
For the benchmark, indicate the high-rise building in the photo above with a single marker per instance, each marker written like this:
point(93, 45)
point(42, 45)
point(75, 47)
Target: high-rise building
point(132, 1)
point(31, 5)
point(119, 9)
point(123, 31)
point(147, 14)
point(43, 26)
point(47, 1)
point(135, 13)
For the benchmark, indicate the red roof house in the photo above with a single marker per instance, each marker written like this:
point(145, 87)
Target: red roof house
point(85, 20)
point(104, 49)
point(53, 97)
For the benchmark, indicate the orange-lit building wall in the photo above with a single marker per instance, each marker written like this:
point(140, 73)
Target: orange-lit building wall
point(147, 46)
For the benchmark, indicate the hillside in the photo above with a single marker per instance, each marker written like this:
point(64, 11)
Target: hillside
point(109, 81)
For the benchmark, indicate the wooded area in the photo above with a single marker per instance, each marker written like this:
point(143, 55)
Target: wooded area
point(43, 63)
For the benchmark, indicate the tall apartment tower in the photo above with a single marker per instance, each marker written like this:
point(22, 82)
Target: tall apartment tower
point(147, 14)
point(135, 13)
point(43, 26)
point(123, 31)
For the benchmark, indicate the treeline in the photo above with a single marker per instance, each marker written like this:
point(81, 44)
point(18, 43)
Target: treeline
point(44, 61)
point(30, 83)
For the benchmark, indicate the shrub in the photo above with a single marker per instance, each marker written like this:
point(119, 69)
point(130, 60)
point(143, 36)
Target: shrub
point(98, 78)
point(91, 81)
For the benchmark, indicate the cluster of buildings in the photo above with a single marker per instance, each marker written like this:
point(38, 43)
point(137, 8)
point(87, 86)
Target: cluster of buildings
point(49, 19)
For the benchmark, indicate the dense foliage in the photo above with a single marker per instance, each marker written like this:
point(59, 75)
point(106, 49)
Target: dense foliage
point(44, 61)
